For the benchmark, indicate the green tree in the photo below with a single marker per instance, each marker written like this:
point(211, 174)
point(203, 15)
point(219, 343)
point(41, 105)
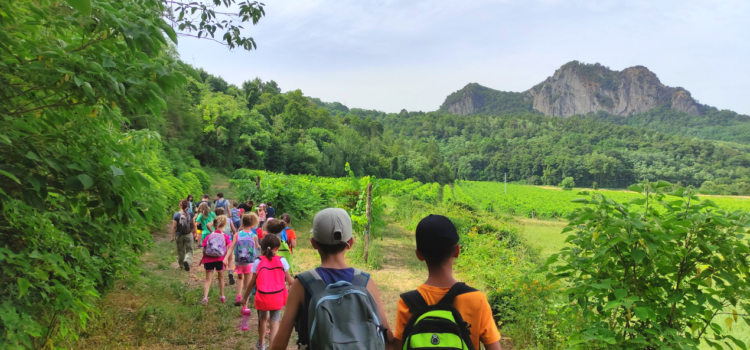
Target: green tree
point(661, 277)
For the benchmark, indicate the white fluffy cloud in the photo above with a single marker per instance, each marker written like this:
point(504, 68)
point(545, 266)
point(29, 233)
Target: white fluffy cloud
point(393, 55)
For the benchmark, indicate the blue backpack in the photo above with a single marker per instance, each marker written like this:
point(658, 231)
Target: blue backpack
point(245, 249)
point(283, 235)
point(236, 220)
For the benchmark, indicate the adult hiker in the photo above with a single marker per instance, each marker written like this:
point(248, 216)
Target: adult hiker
point(191, 205)
point(183, 231)
point(247, 206)
point(270, 211)
point(222, 202)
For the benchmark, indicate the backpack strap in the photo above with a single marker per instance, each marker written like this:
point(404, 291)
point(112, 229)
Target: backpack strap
point(456, 290)
point(414, 301)
point(312, 282)
point(361, 278)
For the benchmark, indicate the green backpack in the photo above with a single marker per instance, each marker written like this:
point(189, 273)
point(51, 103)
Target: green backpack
point(436, 326)
point(285, 253)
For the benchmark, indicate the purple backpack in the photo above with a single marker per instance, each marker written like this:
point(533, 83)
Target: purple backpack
point(216, 246)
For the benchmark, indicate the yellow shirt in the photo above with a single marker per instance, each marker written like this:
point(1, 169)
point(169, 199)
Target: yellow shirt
point(473, 307)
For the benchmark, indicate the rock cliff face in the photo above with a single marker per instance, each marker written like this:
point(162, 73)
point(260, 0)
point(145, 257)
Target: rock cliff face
point(577, 88)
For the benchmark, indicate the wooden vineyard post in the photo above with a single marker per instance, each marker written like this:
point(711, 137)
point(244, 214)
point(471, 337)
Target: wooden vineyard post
point(369, 214)
point(257, 183)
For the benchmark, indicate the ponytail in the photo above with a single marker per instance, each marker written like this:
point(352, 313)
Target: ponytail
point(268, 244)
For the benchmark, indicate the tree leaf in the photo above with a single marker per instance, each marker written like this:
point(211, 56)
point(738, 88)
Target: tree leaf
point(729, 322)
point(117, 171)
point(612, 304)
point(638, 255)
point(692, 309)
point(82, 6)
point(108, 63)
point(641, 313)
point(86, 180)
point(11, 176)
point(23, 286)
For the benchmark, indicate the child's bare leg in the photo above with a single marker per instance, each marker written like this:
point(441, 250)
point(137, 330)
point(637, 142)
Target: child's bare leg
point(274, 329)
point(207, 283)
point(221, 282)
point(262, 319)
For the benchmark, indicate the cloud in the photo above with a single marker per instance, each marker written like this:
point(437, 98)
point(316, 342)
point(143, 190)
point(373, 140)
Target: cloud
point(390, 55)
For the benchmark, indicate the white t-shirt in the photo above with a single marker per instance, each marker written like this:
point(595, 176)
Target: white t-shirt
point(257, 261)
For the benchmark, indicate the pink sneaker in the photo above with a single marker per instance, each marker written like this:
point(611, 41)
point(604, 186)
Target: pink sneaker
point(204, 302)
point(223, 299)
point(245, 324)
point(238, 300)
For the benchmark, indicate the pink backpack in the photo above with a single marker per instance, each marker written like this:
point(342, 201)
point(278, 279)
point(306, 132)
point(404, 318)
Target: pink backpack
point(271, 285)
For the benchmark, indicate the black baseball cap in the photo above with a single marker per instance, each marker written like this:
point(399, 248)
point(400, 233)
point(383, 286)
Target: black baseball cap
point(436, 232)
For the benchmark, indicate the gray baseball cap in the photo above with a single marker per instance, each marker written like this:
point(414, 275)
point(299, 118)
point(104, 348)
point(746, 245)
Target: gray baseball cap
point(332, 226)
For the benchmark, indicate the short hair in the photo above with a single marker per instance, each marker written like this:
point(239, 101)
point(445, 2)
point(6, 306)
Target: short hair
point(220, 195)
point(287, 218)
point(250, 220)
point(330, 249)
point(269, 204)
point(436, 256)
point(234, 204)
point(205, 196)
point(220, 211)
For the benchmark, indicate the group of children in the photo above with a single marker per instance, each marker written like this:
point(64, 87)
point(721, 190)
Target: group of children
point(334, 306)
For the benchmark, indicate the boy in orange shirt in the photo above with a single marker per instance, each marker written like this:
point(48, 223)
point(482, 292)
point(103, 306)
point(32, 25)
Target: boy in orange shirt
point(437, 246)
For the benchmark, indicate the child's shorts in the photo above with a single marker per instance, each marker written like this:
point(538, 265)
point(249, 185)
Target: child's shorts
point(216, 265)
point(275, 315)
point(239, 269)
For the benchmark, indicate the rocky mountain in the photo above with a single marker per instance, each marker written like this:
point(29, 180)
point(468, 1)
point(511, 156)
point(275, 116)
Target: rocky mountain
point(578, 88)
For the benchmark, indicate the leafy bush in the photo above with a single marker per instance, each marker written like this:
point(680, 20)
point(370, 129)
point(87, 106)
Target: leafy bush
point(644, 278)
point(567, 184)
point(203, 178)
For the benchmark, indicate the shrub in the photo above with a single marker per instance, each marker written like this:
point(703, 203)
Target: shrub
point(567, 184)
point(644, 278)
point(595, 185)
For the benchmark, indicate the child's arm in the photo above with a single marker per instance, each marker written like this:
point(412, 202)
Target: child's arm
point(293, 303)
point(493, 346)
point(249, 289)
point(288, 277)
point(234, 229)
point(230, 248)
point(372, 287)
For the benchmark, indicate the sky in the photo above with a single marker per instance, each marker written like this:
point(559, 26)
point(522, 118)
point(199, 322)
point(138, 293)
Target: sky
point(411, 54)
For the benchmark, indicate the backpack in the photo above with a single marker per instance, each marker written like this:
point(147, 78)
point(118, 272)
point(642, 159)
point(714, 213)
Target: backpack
point(270, 284)
point(439, 325)
point(183, 224)
point(244, 249)
point(285, 252)
point(223, 203)
point(341, 315)
point(236, 220)
point(283, 236)
point(216, 245)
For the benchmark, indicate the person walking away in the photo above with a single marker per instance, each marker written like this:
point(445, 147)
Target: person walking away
point(275, 226)
point(191, 205)
point(230, 229)
point(334, 303)
point(247, 206)
point(270, 211)
point(205, 199)
point(270, 276)
point(214, 251)
point(288, 234)
point(246, 248)
point(236, 214)
point(222, 202)
point(262, 214)
point(437, 246)
point(183, 228)
point(204, 220)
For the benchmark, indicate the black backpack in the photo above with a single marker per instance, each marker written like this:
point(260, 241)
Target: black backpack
point(431, 323)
